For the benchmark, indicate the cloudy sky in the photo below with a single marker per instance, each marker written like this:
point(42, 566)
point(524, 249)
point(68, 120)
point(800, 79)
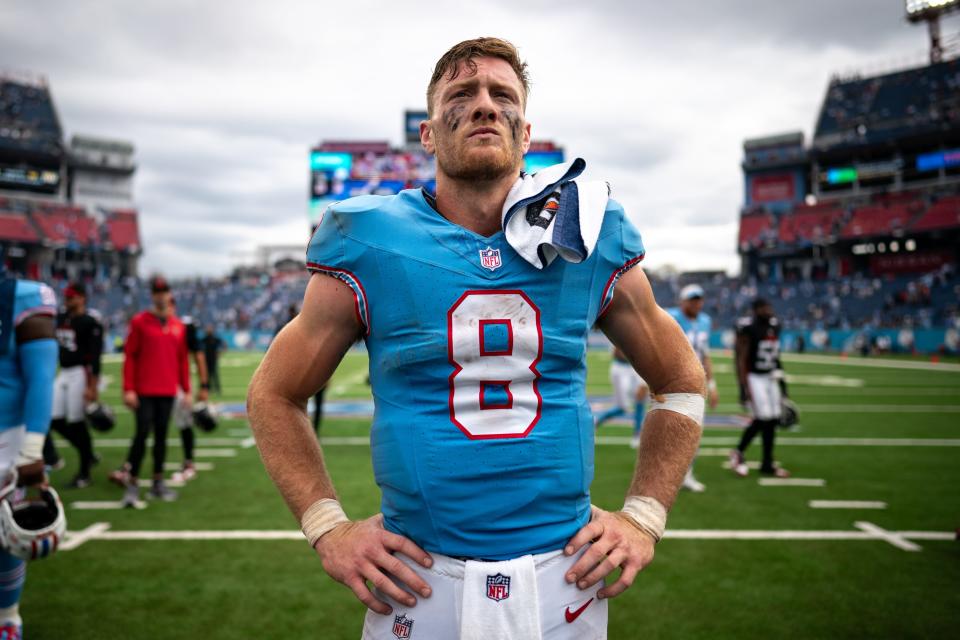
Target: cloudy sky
point(224, 99)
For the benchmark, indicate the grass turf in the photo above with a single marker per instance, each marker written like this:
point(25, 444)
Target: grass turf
point(694, 588)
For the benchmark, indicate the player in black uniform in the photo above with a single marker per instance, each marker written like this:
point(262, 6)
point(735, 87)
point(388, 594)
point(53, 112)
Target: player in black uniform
point(183, 409)
point(80, 336)
point(760, 376)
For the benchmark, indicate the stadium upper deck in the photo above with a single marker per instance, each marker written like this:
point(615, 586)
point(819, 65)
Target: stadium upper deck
point(876, 194)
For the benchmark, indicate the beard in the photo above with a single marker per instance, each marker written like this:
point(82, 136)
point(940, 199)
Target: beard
point(466, 162)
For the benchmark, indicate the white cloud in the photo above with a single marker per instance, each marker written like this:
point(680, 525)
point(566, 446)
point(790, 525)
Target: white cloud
point(223, 100)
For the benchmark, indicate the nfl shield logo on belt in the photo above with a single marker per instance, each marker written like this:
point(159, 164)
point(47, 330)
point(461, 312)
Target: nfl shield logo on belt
point(490, 258)
point(498, 587)
point(402, 626)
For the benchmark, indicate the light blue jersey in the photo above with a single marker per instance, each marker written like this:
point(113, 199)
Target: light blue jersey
point(482, 438)
point(697, 330)
point(19, 299)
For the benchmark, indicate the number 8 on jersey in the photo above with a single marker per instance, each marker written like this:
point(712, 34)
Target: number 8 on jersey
point(494, 342)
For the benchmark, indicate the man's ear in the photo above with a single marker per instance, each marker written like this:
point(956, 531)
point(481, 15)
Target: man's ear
point(426, 136)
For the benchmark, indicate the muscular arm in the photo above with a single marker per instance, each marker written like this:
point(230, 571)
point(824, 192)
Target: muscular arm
point(301, 359)
point(37, 347)
point(656, 346)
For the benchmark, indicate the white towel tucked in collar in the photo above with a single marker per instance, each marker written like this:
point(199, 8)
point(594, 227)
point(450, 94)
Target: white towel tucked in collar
point(500, 600)
point(553, 213)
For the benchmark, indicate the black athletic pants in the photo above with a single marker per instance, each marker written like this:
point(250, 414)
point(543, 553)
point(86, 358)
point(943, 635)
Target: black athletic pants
point(153, 414)
point(78, 435)
point(768, 431)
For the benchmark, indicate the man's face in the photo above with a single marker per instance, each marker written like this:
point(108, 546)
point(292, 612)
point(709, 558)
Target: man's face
point(161, 300)
point(765, 312)
point(74, 304)
point(477, 129)
point(692, 307)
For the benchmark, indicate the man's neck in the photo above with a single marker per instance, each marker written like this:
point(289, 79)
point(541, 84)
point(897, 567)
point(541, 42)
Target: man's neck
point(477, 206)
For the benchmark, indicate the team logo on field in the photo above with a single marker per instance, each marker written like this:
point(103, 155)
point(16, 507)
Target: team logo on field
point(490, 258)
point(402, 626)
point(498, 587)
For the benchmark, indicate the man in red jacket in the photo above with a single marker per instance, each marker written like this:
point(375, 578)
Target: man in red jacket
point(154, 365)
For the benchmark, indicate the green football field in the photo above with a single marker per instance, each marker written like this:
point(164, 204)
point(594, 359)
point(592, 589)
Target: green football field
point(879, 444)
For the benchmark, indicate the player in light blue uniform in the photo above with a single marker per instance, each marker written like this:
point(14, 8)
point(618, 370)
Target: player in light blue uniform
point(696, 326)
point(460, 371)
point(482, 438)
point(28, 363)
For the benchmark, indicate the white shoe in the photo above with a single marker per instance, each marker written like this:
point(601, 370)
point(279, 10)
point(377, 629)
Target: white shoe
point(691, 484)
point(635, 442)
point(742, 470)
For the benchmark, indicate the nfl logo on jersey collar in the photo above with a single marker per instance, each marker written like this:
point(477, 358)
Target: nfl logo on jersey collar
point(490, 258)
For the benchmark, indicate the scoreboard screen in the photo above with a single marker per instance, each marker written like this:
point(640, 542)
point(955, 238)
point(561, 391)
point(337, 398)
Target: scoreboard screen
point(29, 178)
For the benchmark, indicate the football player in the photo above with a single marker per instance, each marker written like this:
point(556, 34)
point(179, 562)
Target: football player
point(629, 392)
point(760, 375)
point(28, 363)
point(183, 408)
point(696, 326)
point(482, 440)
point(80, 336)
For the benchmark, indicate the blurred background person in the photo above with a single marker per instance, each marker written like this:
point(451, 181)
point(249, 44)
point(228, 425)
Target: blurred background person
point(212, 344)
point(80, 339)
point(630, 393)
point(155, 364)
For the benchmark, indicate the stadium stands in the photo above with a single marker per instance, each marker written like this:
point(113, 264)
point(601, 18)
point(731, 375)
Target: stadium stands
point(943, 214)
point(28, 120)
point(122, 230)
point(755, 230)
point(16, 227)
point(815, 223)
point(66, 225)
point(886, 107)
point(876, 221)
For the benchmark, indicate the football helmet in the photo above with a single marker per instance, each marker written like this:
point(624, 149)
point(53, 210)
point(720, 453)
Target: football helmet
point(100, 417)
point(30, 528)
point(204, 418)
point(789, 413)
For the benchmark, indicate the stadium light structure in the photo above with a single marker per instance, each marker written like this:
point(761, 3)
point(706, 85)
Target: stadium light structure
point(929, 11)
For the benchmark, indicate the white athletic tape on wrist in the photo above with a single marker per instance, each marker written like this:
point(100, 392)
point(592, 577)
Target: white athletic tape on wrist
point(687, 404)
point(320, 517)
point(648, 514)
point(32, 448)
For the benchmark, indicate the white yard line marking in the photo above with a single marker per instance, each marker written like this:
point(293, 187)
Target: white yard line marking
point(792, 482)
point(880, 363)
point(246, 443)
point(835, 442)
point(847, 504)
point(199, 466)
point(928, 535)
point(215, 453)
point(170, 482)
point(76, 538)
point(867, 532)
point(352, 380)
point(353, 441)
point(97, 505)
point(862, 408)
point(824, 381)
point(895, 538)
point(125, 442)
